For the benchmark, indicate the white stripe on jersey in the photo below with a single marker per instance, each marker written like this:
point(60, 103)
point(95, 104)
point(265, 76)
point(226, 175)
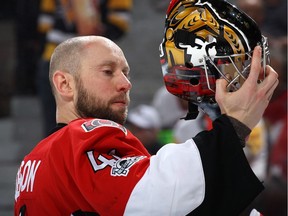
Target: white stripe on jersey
point(173, 184)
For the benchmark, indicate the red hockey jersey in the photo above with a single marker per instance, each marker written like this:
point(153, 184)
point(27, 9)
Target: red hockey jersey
point(97, 166)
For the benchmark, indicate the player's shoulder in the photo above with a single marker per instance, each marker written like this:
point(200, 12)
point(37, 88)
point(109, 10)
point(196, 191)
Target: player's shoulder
point(89, 125)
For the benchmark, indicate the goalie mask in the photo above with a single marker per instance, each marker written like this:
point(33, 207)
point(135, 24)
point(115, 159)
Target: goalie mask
point(204, 41)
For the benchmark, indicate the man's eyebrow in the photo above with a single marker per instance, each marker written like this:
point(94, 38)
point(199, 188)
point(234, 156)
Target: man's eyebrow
point(111, 63)
point(105, 63)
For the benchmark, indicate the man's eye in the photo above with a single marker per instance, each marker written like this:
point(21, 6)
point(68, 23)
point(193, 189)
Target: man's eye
point(108, 72)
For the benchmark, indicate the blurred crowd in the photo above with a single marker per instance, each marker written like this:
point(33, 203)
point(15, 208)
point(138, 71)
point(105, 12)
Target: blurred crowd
point(42, 24)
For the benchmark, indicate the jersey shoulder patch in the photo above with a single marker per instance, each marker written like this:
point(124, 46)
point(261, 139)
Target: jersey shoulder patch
point(90, 125)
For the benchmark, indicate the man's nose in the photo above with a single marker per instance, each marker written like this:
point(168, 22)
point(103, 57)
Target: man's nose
point(123, 83)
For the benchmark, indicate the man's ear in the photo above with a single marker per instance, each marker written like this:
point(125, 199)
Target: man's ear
point(63, 83)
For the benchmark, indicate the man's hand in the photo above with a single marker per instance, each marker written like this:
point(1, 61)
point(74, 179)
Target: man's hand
point(249, 102)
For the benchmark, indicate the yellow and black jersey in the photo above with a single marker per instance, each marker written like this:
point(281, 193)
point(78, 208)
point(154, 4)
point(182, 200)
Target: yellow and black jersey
point(57, 19)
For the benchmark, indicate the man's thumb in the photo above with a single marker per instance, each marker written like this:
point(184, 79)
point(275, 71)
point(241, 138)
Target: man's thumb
point(221, 85)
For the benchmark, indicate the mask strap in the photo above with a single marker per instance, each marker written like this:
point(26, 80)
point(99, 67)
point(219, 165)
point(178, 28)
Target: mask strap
point(192, 111)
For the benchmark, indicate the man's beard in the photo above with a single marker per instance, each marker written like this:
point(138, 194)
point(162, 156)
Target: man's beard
point(89, 106)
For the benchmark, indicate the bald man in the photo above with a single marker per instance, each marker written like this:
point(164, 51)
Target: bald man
point(92, 165)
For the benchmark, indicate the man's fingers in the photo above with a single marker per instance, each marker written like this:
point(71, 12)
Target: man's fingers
point(221, 85)
point(271, 90)
point(255, 65)
point(271, 72)
point(271, 81)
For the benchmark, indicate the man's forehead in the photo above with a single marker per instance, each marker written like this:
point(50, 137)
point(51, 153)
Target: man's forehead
point(99, 47)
